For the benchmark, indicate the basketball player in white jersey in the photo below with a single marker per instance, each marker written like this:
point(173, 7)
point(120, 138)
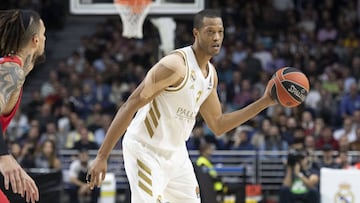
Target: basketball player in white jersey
point(166, 103)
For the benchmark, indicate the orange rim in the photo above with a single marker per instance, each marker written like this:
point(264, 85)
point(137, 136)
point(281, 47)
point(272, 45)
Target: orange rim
point(133, 3)
point(136, 5)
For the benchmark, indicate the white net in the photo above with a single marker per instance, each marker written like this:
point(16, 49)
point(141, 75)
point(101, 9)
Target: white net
point(132, 19)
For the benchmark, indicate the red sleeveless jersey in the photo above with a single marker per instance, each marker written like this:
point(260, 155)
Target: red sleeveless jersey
point(5, 119)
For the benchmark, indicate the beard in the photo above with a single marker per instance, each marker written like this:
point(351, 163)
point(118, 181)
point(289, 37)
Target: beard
point(39, 59)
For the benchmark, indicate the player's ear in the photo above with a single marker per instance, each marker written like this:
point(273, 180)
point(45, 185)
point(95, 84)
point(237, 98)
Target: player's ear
point(35, 40)
point(195, 32)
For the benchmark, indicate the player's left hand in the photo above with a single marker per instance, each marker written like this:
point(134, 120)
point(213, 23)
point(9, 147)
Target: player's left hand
point(19, 180)
point(96, 172)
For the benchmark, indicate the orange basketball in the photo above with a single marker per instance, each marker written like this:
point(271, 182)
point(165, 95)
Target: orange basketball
point(290, 87)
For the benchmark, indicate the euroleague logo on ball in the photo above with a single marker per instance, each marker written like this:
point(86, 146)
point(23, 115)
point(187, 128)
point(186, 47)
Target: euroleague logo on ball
point(289, 87)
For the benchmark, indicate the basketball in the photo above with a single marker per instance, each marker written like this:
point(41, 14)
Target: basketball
point(289, 87)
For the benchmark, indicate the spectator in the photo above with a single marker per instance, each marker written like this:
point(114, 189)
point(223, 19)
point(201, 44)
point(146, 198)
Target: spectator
point(234, 87)
point(94, 119)
point(242, 139)
point(326, 137)
point(204, 161)
point(283, 5)
point(263, 55)
point(356, 117)
point(328, 160)
point(343, 160)
point(46, 115)
point(307, 122)
point(77, 174)
point(349, 79)
point(313, 99)
point(15, 151)
point(244, 96)
point(63, 124)
point(74, 135)
point(355, 145)
point(197, 138)
point(18, 126)
point(32, 136)
point(77, 62)
point(328, 32)
point(344, 144)
point(287, 132)
point(32, 108)
point(100, 132)
point(349, 102)
point(47, 157)
point(347, 130)
point(300, 182)
point(48, 87)
point(28, 155)
point(223, 93)
point(319, 125)
point(273, 142)
point(238, 53)
point(88, 101)
point(251, 66)
point(275, 63)
point(85, 142)
point(309, 145)
point(259, 135)
point(331, 81)
point(51, 133)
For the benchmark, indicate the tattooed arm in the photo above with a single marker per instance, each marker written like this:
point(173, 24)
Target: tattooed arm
point(12, 77)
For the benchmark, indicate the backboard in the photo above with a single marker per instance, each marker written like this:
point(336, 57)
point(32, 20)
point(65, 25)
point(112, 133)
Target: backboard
point(158, 7)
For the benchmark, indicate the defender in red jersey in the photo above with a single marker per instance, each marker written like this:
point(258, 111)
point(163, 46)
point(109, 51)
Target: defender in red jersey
point(22, 43)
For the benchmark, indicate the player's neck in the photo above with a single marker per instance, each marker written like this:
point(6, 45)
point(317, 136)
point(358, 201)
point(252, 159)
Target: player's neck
point(23, 55)
point(26, 58)
point(201, 58)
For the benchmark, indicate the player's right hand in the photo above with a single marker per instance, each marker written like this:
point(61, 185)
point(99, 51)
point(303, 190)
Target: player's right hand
point(96, 173)
point(21, 182)
point(267, 94)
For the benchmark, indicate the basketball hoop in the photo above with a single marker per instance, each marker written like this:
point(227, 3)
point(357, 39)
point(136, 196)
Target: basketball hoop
point(133, 14)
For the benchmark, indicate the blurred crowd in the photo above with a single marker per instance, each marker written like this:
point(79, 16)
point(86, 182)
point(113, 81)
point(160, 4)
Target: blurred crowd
point(74, 107)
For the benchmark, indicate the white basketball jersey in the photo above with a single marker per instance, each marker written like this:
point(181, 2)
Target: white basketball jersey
point(167, 121)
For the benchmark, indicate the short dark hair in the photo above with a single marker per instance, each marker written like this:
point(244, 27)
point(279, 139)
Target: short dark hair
point(17, 27)
point(206, 13)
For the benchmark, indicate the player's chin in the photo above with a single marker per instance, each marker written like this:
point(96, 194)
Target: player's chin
point(214, 53)
point(215, 50)
point(40, 59)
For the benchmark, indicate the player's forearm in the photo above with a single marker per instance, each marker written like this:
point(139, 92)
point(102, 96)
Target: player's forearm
point(116, 130)
point(234, 119)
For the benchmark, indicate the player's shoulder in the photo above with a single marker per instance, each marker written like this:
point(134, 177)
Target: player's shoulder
point(8, 65)
point(173, 61)
point(174, 57)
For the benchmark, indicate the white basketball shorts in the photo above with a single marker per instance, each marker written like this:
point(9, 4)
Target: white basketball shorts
point(159, 177)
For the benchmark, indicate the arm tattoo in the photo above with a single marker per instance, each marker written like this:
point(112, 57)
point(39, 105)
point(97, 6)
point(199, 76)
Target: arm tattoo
point(12, 77)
